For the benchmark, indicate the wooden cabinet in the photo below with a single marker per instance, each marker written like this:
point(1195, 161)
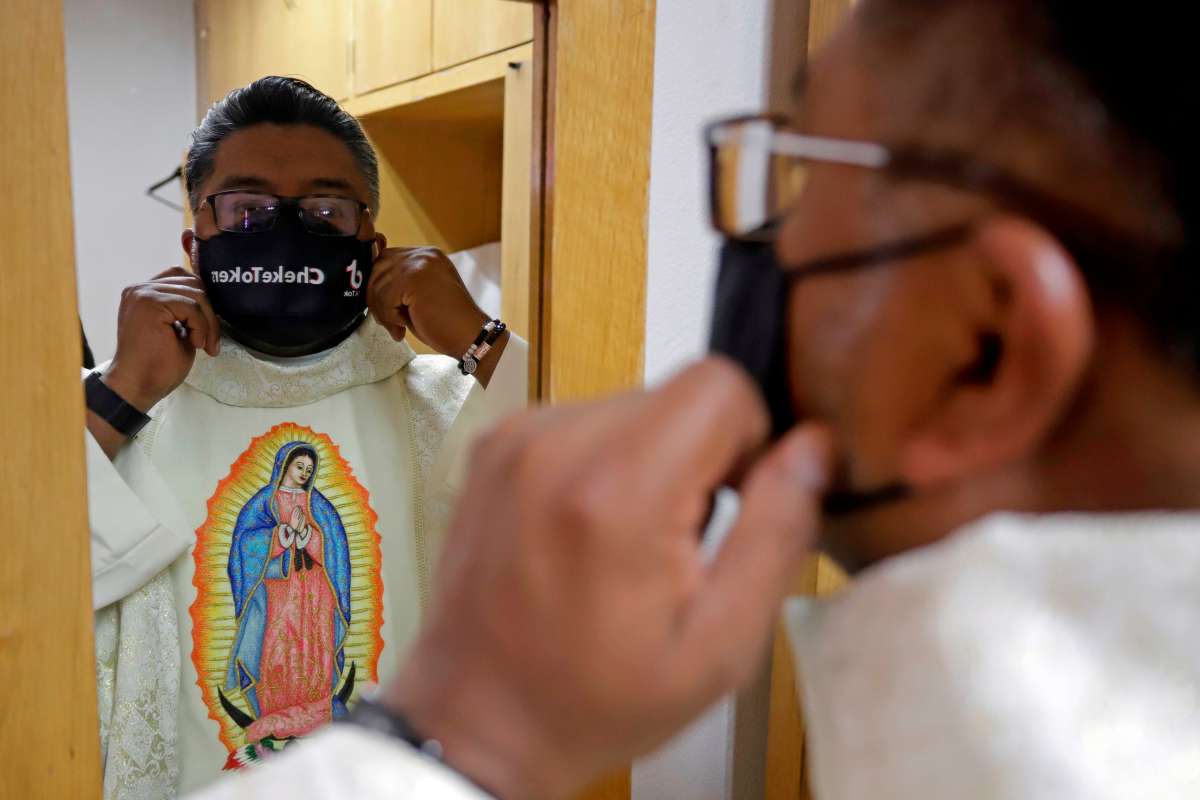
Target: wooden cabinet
point(393, 42)
point(239, 41)
point(348, 48)
point(467, 29)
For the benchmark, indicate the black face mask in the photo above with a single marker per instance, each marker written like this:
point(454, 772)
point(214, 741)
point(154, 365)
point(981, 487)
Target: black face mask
point(750, 326)
point(285, 291)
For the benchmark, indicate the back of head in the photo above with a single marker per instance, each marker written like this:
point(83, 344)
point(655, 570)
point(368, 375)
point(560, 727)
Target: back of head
point(1098, 89)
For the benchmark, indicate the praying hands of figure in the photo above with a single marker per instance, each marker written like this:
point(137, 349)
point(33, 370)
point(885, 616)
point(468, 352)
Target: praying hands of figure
point(301, 528)
point(287, 535)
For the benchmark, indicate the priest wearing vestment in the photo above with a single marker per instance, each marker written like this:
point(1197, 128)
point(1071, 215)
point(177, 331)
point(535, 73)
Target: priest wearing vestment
point(270, 464)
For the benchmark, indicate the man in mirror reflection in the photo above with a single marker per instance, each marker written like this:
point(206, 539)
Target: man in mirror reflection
point(961, 284)
point(269, 460)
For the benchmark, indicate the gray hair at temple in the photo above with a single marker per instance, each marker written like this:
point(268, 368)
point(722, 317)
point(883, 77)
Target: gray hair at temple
point(279, 101)
point(1085, 100)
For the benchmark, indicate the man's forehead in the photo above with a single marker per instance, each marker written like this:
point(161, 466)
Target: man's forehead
point(286, 160)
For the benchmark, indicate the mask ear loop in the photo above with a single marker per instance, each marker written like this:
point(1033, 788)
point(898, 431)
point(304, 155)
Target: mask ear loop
point(777, 384)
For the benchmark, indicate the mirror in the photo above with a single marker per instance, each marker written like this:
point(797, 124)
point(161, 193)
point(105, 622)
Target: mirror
point(264, 546)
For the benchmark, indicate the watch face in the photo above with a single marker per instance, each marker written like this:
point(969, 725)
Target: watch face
point(470, 365)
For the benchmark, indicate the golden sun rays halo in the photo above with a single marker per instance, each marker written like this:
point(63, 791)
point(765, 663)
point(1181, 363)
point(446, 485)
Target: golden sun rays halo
point(214, 626)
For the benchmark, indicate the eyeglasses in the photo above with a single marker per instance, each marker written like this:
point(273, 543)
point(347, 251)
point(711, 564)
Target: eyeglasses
point(759, 169)
point(238, 211)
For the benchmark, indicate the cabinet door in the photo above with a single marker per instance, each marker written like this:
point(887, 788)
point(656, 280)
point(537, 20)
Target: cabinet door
point(467, 29)
point(393, 42)
point(239, 41)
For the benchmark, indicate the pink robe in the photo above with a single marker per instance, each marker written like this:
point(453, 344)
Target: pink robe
point(295, 687)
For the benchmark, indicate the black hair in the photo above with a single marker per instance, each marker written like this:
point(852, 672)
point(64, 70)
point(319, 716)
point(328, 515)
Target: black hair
point(1102, 89)
point(279, 101)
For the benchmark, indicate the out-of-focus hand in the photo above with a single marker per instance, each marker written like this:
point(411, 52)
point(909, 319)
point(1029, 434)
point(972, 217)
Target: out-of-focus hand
point(575, 623)
point(419, 288)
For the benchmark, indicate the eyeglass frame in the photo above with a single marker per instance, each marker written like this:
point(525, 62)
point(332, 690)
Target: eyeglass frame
point(1091, 241)
point(364, 210)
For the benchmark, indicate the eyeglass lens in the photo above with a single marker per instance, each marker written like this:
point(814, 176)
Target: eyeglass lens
point(253, 212)
point(753, 186)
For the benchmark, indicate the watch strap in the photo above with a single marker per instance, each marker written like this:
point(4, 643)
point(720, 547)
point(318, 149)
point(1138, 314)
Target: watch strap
point(112, 408)
point(373, 716)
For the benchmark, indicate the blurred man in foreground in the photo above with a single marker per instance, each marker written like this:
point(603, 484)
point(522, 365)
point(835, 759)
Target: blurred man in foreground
point(984, 225)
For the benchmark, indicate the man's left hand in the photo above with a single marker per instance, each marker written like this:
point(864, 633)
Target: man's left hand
point(418, 288)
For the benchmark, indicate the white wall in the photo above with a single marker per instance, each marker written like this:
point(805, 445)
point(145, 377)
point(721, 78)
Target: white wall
point(711, 59)
point(131, 101)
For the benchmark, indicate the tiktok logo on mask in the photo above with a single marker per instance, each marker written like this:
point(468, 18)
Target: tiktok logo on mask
point(356, 279)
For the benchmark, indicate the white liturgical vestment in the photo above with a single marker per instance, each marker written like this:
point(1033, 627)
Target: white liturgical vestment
point(1024, 658)
point(261, 551)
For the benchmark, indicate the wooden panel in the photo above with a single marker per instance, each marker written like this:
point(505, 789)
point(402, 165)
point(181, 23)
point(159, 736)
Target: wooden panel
point(615, 787)
point(596, 269)
point(516, 207)
point(440, 170)
point(440, 184)
point(393, 42)
point(453, 80)
point(595, 203)
point(467, 29)
point(238, 42)
point(785, 726)
point(48, 734)
point(224, 49)
point(824, 17)
point(545, 49)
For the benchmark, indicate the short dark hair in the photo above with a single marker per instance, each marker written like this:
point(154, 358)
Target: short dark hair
point(1100, 89)
point(279, 101)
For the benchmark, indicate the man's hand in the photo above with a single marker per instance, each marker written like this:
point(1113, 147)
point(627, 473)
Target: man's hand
point(419, 288)
point(151, 359)
point(576, 623)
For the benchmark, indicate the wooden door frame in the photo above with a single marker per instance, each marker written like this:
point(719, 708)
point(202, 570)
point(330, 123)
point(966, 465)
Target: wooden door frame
point(592, 187)
point(591, 183)
point(49, 739)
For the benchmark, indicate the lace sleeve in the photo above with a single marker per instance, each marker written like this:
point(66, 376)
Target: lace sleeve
point(137, 684)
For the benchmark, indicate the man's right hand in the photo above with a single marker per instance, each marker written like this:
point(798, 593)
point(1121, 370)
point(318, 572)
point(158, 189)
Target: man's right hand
point(576, 622)
point(151, 359)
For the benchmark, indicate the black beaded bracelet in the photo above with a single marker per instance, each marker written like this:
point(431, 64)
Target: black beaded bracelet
point(492, 330)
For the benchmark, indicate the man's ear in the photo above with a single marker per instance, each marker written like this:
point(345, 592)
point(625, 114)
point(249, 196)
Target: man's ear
point(188, 240)
point(380, 244)
point(1034, 334)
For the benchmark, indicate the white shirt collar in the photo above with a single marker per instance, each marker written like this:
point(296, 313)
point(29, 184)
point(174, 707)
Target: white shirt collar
point(241, 377)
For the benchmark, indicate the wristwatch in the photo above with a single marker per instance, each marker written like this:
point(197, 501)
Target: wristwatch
point(112, 408)
point(370, 714)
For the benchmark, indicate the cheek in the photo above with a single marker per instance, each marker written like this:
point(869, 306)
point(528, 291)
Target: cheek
point(825, 336)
